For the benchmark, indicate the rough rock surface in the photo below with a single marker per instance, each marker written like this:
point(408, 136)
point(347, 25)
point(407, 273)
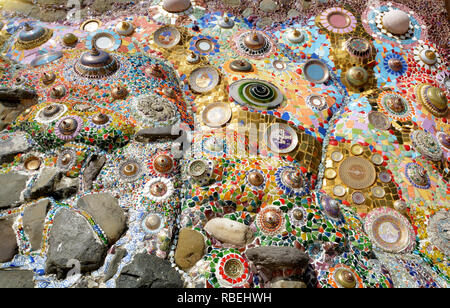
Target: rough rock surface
point(229, 231)
point(11, 185)
point(268, 6)
point(13, 146)
point(8, 243)
point(16, 279)
point(106, 212)
point(65, 187)
point(148, 271)
point(119, 254)
point(92, 171)
point(33, 222)
point(190, 248)
point(72, 238)
point(45, 182)
point(274, 257)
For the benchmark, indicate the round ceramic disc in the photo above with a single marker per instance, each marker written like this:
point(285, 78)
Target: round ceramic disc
point(46, 58)
point(281, 138)
point(337, 156)
point(91, 25)
point(389, 230)
point(378, 192)
point(358, 197)
point(204, 79)
point(167, 36)
point(357, 149)
point(216, 114)
point(377, 159)
point(316, 71)
point(357, 172)
point(384, 177)
point(330, 173)
point(339, 190)
point(379, 120)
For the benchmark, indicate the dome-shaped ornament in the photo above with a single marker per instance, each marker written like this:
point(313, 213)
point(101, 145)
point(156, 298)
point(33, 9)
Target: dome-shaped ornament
point(295, 36)
point(193, 58)
point(427, 145)
point(357, 76)
point(48, 78)
point(58, 92)
point(70, 40)
point(396, 104)
point(226, 22)
point(163, 163)
point(124, 28)
point(119, 92)
point(65, 159)
point(96, 64)
point(156, 71)
point(400, 206)
point(292, 178)
point(396, 22)
point(169, 92)
point(241, 66)
point(51, 110)
point(100, 119)
point(417, 176)
point(255, 178)
point(68, 126)
point(428, 56)
point(176, 6)
point(444, 139)
point(345, 278)
point(254, 41)
point(270, 220)
point(395, 64)
point(158, 189)
point(433, 99)
point(359, 47)
point(153, 222)
point(32, 37)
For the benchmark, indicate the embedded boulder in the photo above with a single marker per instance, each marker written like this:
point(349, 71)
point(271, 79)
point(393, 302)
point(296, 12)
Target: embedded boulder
point(16, 279)
point(73, 239)
point(33, 222)
point(229, 231)
point(275, 257)
point(8, 243)
point(149, 271)
point(11, 186)
point(190, 248)
point(106, 212)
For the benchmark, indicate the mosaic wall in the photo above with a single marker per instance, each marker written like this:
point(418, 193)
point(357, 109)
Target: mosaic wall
point(226, 144)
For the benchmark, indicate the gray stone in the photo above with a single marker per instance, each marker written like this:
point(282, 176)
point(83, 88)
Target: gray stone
point(9, 148)
point(293, 13)
point(190, 248)
point(8, 242)
point(229, 231)
point(16, 95)
point(149, 271)
point(288, 284)
point(119, 254)
point(33, 222)
point(72, 238)
point(44, 183)
point(264, 22)
point(65, 187)
point(16, 279)
point(268, 6)
point(275, 257)
point(247, 12)
point(11, 185)
point(106, 212)
point(232, 3)
point(92, 170)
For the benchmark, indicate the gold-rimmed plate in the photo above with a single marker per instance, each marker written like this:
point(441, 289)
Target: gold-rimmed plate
point(216, 114)
point(167, 36)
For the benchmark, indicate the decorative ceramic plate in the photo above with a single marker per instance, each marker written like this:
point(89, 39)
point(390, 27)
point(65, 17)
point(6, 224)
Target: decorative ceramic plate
point(204, 79)
point(91, 25)
point(216, 114)
point(46, 58)
point(357, 172)
point(103, 39)
point(316, 71)
point(389, 230)
point(167, 36)
point(281, 138)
